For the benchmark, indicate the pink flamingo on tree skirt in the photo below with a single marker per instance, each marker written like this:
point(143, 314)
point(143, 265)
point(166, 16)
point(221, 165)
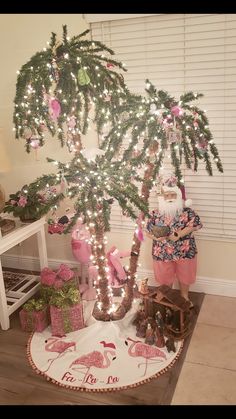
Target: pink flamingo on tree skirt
point(95, 359)
point(59, 346)
point(145, 351)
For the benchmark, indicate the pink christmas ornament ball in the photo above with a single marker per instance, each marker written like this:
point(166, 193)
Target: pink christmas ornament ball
point(177, 110)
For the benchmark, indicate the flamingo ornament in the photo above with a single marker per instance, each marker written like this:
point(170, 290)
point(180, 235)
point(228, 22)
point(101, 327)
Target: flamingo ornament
point(140, 349)
point(95, 359)
point(59, 346)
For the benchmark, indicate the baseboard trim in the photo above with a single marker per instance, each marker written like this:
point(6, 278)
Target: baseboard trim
point(32, 263)
point(214, 286)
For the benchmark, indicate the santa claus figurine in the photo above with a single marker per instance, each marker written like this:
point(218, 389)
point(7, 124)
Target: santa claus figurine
point(174, 255)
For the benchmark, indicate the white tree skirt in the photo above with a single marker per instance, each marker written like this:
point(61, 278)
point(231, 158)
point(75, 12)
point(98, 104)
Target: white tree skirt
point(101, 357)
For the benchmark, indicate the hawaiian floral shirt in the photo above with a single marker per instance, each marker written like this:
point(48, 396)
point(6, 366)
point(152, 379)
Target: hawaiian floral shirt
point(185, 247)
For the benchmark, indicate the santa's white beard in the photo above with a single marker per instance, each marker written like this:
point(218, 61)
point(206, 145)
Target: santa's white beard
point(170, 208)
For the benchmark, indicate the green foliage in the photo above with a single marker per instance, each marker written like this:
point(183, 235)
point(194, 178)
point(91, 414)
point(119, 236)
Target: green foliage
point(63, 298)
point(33, 201)
point(95, 185)
point(77, 74)
point(35, 305)
point(179, 128)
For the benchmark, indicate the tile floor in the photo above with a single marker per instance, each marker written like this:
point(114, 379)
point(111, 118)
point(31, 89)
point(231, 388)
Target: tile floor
point(208, 375)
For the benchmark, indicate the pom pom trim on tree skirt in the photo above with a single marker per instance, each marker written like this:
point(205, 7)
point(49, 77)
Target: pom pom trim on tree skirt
point(104, 356)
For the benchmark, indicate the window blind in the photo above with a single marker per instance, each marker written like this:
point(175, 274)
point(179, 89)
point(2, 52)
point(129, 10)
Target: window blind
point(178, 53)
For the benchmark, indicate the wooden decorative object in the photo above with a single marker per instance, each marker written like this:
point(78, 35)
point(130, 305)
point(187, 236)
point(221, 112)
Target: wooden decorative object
point(177, 323)
point(178, 326)
point(143, 289)
point(7, 226)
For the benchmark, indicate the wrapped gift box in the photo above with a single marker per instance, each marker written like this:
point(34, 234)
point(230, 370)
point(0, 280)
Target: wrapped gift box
point(34, 321)
point(66, 319)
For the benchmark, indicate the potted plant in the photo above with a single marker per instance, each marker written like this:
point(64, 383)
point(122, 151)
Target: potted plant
point(28, 203)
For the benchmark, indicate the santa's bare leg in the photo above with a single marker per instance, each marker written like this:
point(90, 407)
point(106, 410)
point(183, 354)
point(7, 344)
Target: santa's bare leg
point(186, 270)
point(184, 289)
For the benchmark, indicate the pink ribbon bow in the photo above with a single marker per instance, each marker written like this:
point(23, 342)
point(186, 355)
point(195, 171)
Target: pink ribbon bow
point(56, 279)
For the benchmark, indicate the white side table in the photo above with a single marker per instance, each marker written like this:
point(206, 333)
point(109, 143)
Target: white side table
point(19, 297)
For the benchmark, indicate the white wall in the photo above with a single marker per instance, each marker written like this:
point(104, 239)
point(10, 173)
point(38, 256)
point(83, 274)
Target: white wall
point(22, 35)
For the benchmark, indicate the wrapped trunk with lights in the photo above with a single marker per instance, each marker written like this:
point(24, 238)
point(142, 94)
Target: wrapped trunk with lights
point(145, 193)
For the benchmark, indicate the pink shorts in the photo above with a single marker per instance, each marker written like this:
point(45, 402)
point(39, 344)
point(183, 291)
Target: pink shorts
point(184, 270)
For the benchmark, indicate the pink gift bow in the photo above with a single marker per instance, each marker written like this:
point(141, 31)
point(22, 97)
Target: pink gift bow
point(50, 278)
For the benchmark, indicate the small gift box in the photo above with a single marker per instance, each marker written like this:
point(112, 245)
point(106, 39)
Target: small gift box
point(34, 316)
point(66, 312)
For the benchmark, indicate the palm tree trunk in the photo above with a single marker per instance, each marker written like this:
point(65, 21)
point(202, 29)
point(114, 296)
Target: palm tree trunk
point(129, 293)
point(102, 305)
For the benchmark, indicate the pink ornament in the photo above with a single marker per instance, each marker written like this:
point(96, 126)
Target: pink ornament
point(110, 65)
point(34, 143)
point(177, 111)
point(54, 109)
point(139, 234)
point(72, 122)
point(202, 145)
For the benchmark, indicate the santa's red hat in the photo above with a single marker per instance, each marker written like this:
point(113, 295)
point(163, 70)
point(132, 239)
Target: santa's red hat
point(187, 202)
point(169, 184)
